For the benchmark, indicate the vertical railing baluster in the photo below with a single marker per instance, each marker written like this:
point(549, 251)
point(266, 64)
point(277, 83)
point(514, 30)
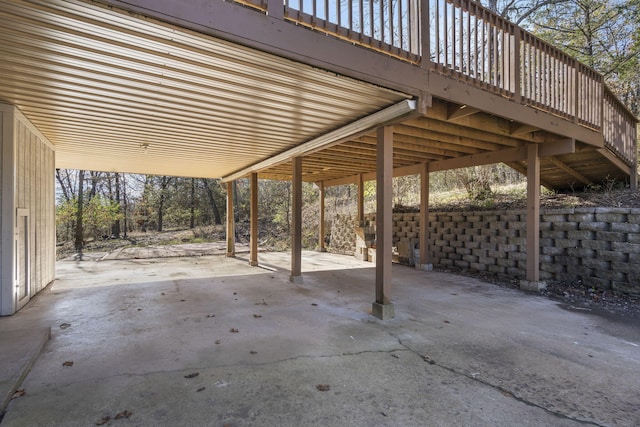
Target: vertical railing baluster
point(424, 33)
point(517, 64)
point(437, 19)
point(469, 43)
point(371, 19)
point(461, 41)
point(454, 32)
point(403, 44)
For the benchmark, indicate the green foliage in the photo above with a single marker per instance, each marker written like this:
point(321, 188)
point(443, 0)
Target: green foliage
point(98, 215)
point(604, 34)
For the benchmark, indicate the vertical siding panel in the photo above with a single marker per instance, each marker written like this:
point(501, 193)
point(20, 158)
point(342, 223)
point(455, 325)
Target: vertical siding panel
point(35, 163)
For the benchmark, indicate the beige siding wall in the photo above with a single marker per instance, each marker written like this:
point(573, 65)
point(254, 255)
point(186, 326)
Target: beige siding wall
point(28, 163)
point(35, 192)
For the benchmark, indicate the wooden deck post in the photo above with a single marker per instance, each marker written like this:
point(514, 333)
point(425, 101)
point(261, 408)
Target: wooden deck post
point(382, 307)
point(253, 221)
point(296, 222)
point(231, 225)
point(360, 200)
point(532, 282)
point(321, 227)
point(424, 263)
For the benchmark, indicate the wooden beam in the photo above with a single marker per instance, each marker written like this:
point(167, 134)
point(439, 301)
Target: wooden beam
point(459, 111)
point(360, 199)
point(382, 307)
point(488, 158)
point(615, 160)
point(557, 147)
point(577, 175)
point(296, 221)
point(448, 88)
point(231, 233)
point(253, 221)
point(321, 225)
point(519, 167)
point(533, 213)
point(424, 263)
point(520, 129)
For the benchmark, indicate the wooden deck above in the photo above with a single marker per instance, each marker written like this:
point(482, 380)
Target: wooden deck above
point(222, 89)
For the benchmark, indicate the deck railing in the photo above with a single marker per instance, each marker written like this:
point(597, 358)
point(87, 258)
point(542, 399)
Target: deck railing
point(468, 42)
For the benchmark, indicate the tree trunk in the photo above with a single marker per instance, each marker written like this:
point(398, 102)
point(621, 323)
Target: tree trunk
point(115, 230)
point(79, 228)
point(212, 200)
point(160, 210)
point(66, 191)
point(192, 221)
point(164, 183)
point(126, 204)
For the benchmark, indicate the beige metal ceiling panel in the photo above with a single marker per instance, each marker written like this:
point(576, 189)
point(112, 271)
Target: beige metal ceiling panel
point(102, 84)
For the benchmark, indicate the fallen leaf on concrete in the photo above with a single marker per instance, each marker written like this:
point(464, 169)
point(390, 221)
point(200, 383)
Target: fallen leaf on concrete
point(195, 374)
point(257, 316)
point(123, 414)
point(65, 325)
point(68, 363)
point(103, 421)
point(19, 393)
point(201, 389)
point(323, 387)
point(234, 330)
point(253, 352)
point(428, 359)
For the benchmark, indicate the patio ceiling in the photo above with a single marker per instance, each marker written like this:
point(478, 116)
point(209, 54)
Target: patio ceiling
point(115, 91)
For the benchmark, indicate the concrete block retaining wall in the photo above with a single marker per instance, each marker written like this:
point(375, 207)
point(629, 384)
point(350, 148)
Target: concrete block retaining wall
point(600, 247)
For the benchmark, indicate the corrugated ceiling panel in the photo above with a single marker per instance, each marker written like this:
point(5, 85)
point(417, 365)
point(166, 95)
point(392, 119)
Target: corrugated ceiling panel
point(100, 84)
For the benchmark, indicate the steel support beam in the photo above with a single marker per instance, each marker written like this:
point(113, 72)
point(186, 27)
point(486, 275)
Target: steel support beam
point(253, 221)
point(231, 224)
point(383, 307)
point(296, 221)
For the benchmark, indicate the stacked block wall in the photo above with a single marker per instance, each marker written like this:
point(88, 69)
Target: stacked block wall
point(598, 247)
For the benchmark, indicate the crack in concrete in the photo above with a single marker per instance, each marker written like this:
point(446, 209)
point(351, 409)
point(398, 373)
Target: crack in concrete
point(501, 389)
point(232, 365)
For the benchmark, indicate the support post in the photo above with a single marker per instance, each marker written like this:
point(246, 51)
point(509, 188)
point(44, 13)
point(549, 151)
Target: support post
point(7, 213)
point(296, 220)
point(532, 283)
point(360, 200)
point(383, 307)
point(321, 229)
point(231, 225)
point(424, 263)
point(253, 221)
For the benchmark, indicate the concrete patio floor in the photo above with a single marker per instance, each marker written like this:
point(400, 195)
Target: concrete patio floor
point(155, 338)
